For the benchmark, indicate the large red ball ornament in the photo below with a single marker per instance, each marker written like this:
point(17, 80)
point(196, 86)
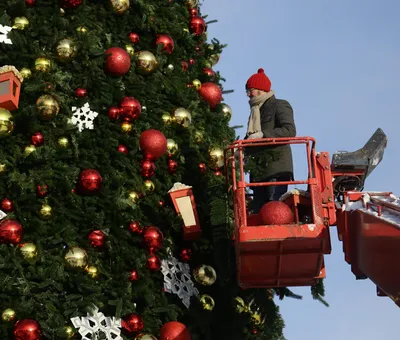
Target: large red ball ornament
point(211, 93)
point(197, 25)
point(10, 232)
point(117, 61)
point(27, 329)
point(276, 212)
point(90, 181)
point(153, 144)
point(6, 205)
point(153, 237)
point(153, 263)
point(132, 323)
point(96, 239)
point(174, 330)
point(70, 3)
point(148, 168)
point(166, 41)
point(37, 139)
point(130, 108)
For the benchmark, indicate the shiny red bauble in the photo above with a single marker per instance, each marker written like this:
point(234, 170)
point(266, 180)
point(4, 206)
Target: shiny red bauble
point(174, 330)
point(197, 25)
point(148, 168)
point(209, 73)
point(153, 144)
point(276, 212)
point(132, 323)
point(90, 181)
point(153, 263)
point(134, 37)
point(80, 92)
point(130, 108)
point(211, 93)
point(96, 239)
point(6, 205)
point(30, 2)
point(27, 329)
point(42, 190)
point(172, 166)
point(135, 227)
point(123, 149)
point(153, 238)
point(37, 139)
point(10, 232)
point(133, 275)
point(185, 254)
point(70, 3)
point(184, 65)
point(193, 11)
point(117, 61)
point(203, 168)
point(166, 41)
point(114, 113)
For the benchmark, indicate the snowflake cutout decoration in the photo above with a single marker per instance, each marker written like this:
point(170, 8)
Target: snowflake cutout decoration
point(83, 117)
point(97, 326)
point(4, 30)
point(177, 280)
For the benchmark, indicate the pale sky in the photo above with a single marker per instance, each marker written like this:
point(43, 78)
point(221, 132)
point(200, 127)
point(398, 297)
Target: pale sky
point(338, 64)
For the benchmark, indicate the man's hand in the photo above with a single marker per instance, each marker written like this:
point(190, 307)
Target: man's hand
point(256, 135)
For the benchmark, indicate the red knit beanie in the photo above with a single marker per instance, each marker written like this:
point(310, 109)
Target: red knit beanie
point(259, 81)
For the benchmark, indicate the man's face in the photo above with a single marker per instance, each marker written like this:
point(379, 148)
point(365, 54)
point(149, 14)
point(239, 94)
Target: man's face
point(253, 93)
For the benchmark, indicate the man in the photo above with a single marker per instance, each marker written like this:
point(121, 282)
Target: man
point(269, 118)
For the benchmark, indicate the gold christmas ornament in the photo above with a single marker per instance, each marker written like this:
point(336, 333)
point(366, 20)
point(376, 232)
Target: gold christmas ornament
point(149, 185)
point(76, 257)
point(130, 49)
point(8, 314)
point(28, 251)
point(166, 118)
point(42, 64)
point(145, 337)
point(47, 106)
point(214, 58)
point(170, 67)
point(126, 127)
point(20, 23)
point(119, 6)
point(133, 196)
point(6, 122)
point(192, 3)
point(227, 111)
point(25, 72)
point(146, 62)
point(66, 49)
point(45, 211)
point(205, 275)
point(29, 149)
point(199, 136)
point(63, 142)
point(207, 302)
point(92, 271)
point(3, 168)
point(216, 158)
point(182, 116)
point(197, 84)
point(172, 146)
point(239, 305)
point(81, 29)
point(69, 332)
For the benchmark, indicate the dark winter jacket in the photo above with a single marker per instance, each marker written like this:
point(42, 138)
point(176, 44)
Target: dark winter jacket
point(277, 120)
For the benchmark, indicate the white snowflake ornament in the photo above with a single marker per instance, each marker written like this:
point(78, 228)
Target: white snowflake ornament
point(4, 30)
point(97, 326)
point(83, 117)
point(177, 280)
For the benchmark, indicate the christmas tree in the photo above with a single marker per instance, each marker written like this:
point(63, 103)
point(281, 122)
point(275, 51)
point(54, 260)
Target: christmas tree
point(115, 219)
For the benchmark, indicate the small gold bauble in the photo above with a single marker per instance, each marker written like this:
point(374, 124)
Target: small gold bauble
point(25, 72)
point(47, 106)
point(6, 122)
point(8, 314)
point(133, 196)
point(149, 185)
point(207, 302)
point(227, 111)
point(199, 136)
point(130, 49)
point(42, 64)
point(63, 142)
point(239, 305)
point(3, 168)
point(76, 257)
point(92, 271)
point(216, 158)
point(182, 116)
point(145, 337)
point(45, 211)
point(214, 58)
point(126, 127)
point(205, 275)
point(81, 29)
point(166, 118)
point(192, 3)
point(28, 251)
point(66, 49)
point(172, 146)
point(170, 67)
point(146, 62)
point(197, 84)
point(29, 149)
point(69, 332)
point(119, 6)
point(20, 23)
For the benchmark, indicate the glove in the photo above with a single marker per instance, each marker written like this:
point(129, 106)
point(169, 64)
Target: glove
point(256, 135)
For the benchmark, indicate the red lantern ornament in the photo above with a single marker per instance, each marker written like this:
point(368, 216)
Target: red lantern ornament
point(42, 190)
point(135, 227)
point(148, 168)
point(90, 181)
point(80, 92)
point(203, 168)
point(184, 65)
point(130, 109)
point(172, 166)
point(153, 237)
point(96, 239)
point(166, 41)
point(174, 330)
point(276, 212)
point(193, 12)
point(123, 149)
point(211, 93)
point(70, 3)
point(133, 275)
point(197, 25)
point(153, 144)
point(185, 254)
point(209, 73)
point(114, 113)
point(134, 37)
point(30, 3)
point(10, 232)
point(117, 61)
point(6, 205)
point(132, 323)
point(37, 139)
point(27, 329)
point(153, 263)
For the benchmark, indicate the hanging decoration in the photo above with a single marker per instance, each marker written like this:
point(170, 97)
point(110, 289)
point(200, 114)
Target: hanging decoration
point(83, 117)
point(4, 30)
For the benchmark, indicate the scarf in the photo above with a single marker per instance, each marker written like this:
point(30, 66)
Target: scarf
point(254, 123)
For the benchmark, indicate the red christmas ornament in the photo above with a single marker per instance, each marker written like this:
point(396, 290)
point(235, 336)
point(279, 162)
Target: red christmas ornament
point(114, 113)
point(133, 275)
point(217, 173)
point(90, 181)
point(203, 168)
point(197, 25)
point(132, 323)
point(276, 212)
point(211, 93)
point(166, 41)
point(148, 168)
point(153, 263)
point(153, 237)
point(135, 227)
point(10, 232)
point(134, 37)
point(37, 139)
point(96, 239)
point(123, 149)
point(184, 65)
point(186, 254)
point(70, 3)
point(42, 190)
point(130, 108)
point(27, 329)
point(174, 330)
point(153, 144)
point(172, 166)
point(117, 61)
point(198, 50)
point(30, 3)
point(80, 92)
point(6, 205)
point(193, 12)
point(161, 203)
point(209, 73)
point(191, 61)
